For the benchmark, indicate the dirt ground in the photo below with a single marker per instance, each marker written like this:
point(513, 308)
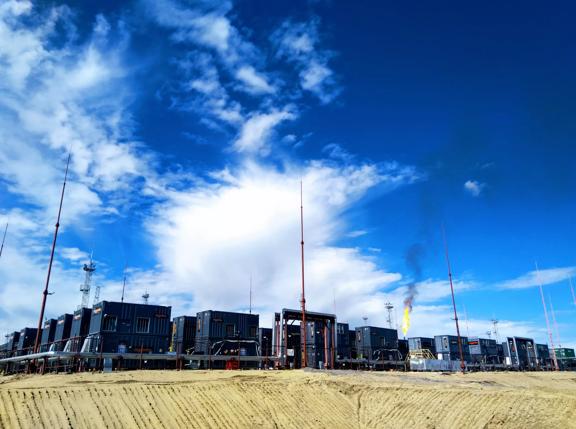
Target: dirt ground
point(289, 399)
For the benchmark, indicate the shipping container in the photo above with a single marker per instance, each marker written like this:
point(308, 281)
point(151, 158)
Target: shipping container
point(447, 347)
point(63, 327)
point(11, 346)
point(183, 334)
point(48, 334)
point(375, 343)
point(218, 332)
point(422, 343)
point(119, 327)
point(564, 353)
point(265, 341)
point(319, 344)
point(483, 350)
point(403, 348)
point(343, 349)
point(520, 352)
point(26, 340)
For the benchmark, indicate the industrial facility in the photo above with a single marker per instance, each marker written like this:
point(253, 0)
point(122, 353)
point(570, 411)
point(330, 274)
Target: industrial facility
point(115, 335)
point(120, 335)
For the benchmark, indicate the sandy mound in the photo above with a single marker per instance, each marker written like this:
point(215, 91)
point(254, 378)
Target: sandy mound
point(289, 399)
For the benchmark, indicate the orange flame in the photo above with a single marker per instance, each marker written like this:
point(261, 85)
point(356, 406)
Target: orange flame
point(406, 320)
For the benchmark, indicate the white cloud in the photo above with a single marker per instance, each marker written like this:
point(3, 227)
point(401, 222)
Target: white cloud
point(248, 222)
point(357, 233)
point(60, 98)
point(73, 254)
point(298, 44)
point(256, 131)
point(474, 187)
point(535, 278)
point(254, 82)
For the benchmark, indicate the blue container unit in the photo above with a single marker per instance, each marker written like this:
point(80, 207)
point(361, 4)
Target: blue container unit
point(221, 332)
point(26, 340)
point(265, 341)
point(9, 348)
point(543, 355)
point(447, 347)
point(183, 334)
point(483, 350)
point(48, 334)
point(343, 349)
point(375, 343)
point(422, 343)
point(293, 350)
point(520, 352)
point(352, 342)
point(79, 329)
point(403, 348)
point(117, 327)
point(318, 344)
point(62, 334)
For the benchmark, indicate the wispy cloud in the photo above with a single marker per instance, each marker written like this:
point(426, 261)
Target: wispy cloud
point(60, 97)
point(474, 188)
point(253, 81)
point(534, 278)
point(299, 43)
point(256, 131)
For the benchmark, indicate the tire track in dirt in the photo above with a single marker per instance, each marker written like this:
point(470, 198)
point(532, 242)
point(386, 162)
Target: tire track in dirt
point(287, 400)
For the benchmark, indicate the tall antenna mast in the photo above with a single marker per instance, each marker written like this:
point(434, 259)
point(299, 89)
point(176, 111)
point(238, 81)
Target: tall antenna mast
point(3, 239)
point(145, 297)
point(303, 299)
point(467, 325)
point(462, 365)
point(123, 285)
point(546, 317)
point(45, 293)
point(389, 307)
point(96, 294)
point(554, 321)
point(495, 329)
point(86, 286)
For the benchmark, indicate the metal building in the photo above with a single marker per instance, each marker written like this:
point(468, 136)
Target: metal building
point(543, 356)
point(319, 344)
point(226, 333)
point(63, 327)
point(291, 353)
point(48, 334)
point(343, 349)
point(26, 340)
point(374, 343)
point(520, 352)
point(352, 342)
point(265, 341)
point(119, 327)
point(483, 350)
point(422, 343)
point(447, 347)
point(11, 345)
point(566, 358)
point(183, 334)
point(290, 346)
point(403, 348)
point(79, 329)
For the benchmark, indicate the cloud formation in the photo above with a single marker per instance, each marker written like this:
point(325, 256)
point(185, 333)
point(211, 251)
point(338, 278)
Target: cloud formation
point(474, 188)
point(535, 278)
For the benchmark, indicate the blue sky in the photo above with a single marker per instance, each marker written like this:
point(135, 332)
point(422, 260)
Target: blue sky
point(191, 125)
